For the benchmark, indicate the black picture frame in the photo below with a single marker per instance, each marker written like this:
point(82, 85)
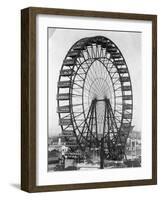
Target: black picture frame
point(28, 98)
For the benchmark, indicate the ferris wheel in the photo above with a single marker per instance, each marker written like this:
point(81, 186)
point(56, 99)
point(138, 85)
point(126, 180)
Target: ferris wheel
point(94, 97)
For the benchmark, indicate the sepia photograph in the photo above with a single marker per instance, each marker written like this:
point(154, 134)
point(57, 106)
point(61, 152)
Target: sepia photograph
point(94, 99)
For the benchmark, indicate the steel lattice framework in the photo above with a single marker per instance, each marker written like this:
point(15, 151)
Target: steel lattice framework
point(94, 98)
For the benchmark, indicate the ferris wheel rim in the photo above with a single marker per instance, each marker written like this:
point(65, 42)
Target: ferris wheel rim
point(84, 44)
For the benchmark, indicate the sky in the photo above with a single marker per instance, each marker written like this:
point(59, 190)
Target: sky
point(60, 41)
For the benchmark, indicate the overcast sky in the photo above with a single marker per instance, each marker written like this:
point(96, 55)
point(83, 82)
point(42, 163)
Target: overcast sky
point(60, 41)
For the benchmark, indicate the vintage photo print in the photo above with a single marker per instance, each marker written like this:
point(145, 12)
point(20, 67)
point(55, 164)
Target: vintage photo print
point(94, 99)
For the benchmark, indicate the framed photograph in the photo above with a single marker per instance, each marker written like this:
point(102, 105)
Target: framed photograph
point(89, 99)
